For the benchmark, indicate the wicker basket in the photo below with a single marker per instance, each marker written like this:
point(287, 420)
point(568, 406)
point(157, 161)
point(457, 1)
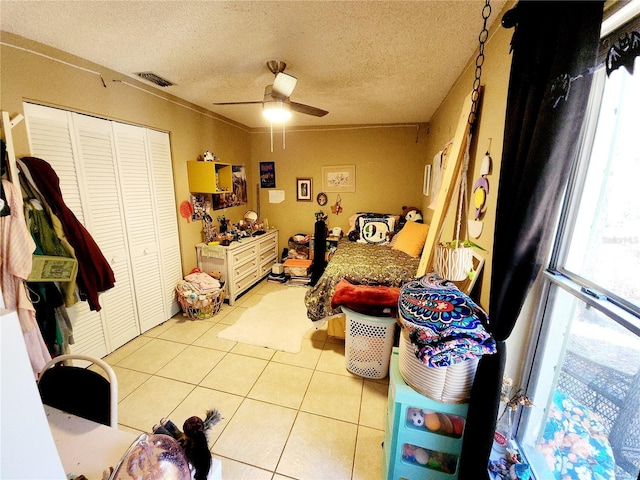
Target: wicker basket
point(450, 384)
point(199, 306)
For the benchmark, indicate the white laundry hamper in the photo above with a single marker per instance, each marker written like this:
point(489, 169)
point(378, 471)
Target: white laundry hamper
point(368, 344)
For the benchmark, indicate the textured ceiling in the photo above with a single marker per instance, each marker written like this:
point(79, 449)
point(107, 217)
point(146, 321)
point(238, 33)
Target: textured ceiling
point(366, 62)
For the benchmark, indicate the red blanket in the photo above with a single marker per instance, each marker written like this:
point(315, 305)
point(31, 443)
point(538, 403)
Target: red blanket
point(365, 298)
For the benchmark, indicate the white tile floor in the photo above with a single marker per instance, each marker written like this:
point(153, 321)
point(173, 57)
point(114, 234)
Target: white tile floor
point(300, 416)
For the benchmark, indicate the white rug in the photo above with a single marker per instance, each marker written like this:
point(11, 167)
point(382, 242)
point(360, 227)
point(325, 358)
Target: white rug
point(278, 322)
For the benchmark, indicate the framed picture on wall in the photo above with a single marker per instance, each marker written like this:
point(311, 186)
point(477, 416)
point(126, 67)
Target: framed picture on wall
point(303, 189)
point(340, 178)
point(239, 194)
point(267, 175)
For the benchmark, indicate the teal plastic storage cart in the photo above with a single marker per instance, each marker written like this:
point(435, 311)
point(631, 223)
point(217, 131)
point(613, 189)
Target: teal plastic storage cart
point(423, 438)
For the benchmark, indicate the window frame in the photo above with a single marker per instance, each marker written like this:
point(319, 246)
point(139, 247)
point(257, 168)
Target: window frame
point(555, 276)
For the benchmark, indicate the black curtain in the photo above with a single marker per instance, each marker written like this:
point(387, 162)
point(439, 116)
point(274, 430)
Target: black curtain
point(554, 49)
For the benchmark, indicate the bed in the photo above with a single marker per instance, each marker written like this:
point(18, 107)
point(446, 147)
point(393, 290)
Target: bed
point(359, 264)
point(366, 267)
point(367, 257)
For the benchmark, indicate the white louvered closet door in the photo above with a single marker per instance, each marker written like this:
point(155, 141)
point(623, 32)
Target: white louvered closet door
point(118, 181)
point(97, 164)
point(139, 213)
point(166, 217)
point(52, 139)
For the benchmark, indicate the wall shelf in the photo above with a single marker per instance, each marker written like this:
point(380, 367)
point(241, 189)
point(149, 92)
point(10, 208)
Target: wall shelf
point(209, 177)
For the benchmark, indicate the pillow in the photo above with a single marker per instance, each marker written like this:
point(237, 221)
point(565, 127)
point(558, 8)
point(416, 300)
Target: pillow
point(375, 228)
point(411, 238)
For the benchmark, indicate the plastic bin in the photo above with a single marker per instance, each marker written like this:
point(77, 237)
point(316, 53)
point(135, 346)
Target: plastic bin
point(368, 344)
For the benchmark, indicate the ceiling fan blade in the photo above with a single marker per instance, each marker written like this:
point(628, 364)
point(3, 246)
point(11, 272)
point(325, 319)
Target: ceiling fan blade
point(236, 103)
point(307, 109)
point(283, 85)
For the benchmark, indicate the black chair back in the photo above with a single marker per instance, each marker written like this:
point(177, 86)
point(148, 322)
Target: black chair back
point(78, 391)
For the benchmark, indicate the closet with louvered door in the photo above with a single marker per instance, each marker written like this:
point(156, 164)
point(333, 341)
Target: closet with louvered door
point(166, 216)
point(118, 178)
point(144, 248)
point(52, 139)
point(98, 176)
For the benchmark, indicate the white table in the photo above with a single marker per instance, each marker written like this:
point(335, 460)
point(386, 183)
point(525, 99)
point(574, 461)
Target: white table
point(88, 448)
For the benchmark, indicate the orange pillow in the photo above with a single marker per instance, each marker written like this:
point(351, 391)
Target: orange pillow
point(411, 238)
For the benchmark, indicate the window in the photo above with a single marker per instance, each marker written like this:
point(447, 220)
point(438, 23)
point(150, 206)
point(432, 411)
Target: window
point(585, 373)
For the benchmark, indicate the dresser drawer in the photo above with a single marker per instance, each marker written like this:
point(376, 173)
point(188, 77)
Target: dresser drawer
point(242, 269)
point(266, 267)
point(245, 282)
point(269, 243)
point(241, 255)
point(267, 254)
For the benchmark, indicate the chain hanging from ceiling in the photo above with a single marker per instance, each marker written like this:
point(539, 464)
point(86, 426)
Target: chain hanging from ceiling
point(461, 261)
point(482, 40)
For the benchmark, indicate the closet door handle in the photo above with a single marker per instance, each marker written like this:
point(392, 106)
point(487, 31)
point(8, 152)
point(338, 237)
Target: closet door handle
point(115, 260)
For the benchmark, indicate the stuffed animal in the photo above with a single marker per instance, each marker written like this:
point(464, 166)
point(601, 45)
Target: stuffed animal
point(408, 451)
point(414, 216)
point(409, 214)
point(193, 440)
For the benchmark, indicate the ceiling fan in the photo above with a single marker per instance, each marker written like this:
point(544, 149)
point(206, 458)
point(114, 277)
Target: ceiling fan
point(276, 96)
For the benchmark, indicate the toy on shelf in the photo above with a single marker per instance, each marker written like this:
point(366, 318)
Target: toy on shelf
point(436, 422)
point(415, 416)
point(424, 457)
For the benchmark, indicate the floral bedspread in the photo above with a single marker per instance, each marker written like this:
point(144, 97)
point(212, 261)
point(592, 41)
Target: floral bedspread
point(574, 443)
point(360, 264)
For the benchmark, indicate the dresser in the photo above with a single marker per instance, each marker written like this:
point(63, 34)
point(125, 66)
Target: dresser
point(242, 264)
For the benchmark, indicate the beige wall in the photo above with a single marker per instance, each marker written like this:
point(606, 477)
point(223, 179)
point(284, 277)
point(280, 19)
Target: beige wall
point(388, 160)
point(489, 129)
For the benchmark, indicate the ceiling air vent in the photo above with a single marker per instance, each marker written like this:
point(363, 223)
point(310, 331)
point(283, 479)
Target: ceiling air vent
point(153, 78)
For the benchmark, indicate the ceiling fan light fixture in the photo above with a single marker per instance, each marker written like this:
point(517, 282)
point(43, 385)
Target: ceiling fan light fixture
point(276, 111)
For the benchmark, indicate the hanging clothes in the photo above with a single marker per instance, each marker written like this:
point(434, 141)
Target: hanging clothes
point(48, 221)
point(49, 235)
point(42, 231)
point(51, 313)
point(94, 272)
point(16, 249)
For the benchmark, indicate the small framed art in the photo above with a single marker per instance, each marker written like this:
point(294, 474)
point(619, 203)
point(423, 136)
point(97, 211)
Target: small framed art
point(303, 189)
point(339, 178)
